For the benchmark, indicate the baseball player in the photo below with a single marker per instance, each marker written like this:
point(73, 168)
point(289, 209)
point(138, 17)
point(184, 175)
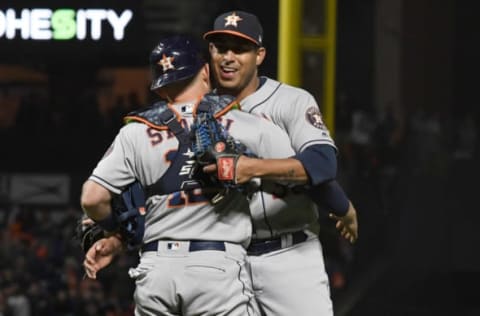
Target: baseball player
point(288, 272)
point(192, 261)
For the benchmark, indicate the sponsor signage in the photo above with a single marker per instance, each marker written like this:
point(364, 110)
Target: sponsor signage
point(107, 32)
point(43, 24)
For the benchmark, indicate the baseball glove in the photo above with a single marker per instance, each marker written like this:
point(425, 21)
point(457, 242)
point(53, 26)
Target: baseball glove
point(87, 232)
point(213, 145)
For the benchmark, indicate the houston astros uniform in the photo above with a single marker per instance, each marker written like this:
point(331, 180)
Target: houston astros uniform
point(288, 271)
point(173, 278)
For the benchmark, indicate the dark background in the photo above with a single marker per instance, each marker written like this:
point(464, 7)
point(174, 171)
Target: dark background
point(413, 183)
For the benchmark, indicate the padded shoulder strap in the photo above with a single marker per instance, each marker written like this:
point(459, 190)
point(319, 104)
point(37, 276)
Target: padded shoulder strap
point(152, 116)
point(161, 117)
point(217, 104)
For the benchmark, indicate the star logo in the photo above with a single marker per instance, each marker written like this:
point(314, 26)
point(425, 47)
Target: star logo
point(232, 19)
point(189, 153)
point(166, 63)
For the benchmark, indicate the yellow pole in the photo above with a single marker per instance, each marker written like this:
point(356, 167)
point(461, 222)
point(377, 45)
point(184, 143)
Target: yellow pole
point(289, 37)
point(291, 43)
point(329, 82)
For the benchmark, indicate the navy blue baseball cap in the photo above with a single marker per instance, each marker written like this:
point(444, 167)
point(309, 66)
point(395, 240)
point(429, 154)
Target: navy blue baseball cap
point(238, 23)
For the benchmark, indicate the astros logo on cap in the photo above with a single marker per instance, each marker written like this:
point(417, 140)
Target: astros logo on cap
point(166, 63)
point(232, 19)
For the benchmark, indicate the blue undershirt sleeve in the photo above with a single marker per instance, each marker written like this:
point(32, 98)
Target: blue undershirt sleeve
point(330, 196)
point(320, 163)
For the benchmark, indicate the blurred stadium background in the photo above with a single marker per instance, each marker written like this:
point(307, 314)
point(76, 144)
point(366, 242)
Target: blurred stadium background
point(404, 113)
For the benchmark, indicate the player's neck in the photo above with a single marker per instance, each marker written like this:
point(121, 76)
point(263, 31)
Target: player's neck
point(193, 92)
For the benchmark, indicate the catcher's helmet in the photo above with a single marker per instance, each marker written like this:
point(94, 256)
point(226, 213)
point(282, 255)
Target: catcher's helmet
point(173, 59)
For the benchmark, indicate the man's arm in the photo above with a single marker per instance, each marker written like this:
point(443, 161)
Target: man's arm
point(327, 194)
point(96, 201)
point(316, 167)
point(288, 169)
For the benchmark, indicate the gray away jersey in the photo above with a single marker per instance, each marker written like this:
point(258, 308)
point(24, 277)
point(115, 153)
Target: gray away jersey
point(140, 152)
point(297, 113)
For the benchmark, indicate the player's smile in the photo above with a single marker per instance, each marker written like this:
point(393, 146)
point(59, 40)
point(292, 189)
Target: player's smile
point(227, 73)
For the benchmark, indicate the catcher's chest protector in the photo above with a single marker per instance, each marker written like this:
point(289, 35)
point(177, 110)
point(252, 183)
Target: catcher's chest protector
point(183, 173)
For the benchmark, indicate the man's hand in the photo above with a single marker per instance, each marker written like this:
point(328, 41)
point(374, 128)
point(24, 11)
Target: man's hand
point(283, 169)
point(242, 174)
point(101, 255)
point(347, 225)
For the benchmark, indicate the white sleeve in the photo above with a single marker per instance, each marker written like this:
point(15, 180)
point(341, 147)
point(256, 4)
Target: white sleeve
point(261, 136)
point(303, 121)
point(115, 170)
point(273, 141)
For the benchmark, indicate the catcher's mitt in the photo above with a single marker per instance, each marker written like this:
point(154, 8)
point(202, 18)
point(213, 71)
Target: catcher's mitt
point(88, 232)
point(213, 145)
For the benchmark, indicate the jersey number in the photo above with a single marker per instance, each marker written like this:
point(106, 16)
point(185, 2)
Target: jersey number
point(186, 198)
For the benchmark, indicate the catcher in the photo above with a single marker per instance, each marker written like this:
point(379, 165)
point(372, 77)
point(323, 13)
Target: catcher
point(191, 239)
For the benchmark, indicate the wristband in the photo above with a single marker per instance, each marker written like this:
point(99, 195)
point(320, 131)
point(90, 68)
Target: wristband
point(109, 223)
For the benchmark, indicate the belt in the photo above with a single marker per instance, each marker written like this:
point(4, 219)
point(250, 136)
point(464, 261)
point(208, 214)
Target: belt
point(194, 245)
point(259, 247)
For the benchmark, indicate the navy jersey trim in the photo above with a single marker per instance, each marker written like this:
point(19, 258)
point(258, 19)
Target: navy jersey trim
point(104, 182)
point(265, 216)
point(319, 142)
point(265, 100)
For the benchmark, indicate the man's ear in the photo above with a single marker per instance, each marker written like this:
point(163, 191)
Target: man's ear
point(261, 52)
point(210, 47)
point(206, 74)
point(206, 69)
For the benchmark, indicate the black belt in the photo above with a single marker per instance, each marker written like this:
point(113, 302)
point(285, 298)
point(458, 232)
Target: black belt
point(194, 245)
point(258, 247)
